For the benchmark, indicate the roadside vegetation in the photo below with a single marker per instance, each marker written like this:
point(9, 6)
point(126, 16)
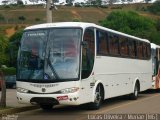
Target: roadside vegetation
point(141, 20)
point(134, 24)
point(155, 8)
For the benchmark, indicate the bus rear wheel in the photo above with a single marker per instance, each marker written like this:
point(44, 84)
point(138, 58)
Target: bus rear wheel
point(46, 106)
point(98, 98)
point(135, 94)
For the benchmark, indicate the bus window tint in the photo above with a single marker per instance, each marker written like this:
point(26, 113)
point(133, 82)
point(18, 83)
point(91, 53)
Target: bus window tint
point(123, 42)
point(102, 46)
point(113, 44)
point(88, 53)
point(148, 51)
point(132, 50)
point(140, 50)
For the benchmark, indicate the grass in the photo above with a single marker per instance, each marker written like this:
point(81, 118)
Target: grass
point(37, 14)
point(4, 108)
point(86, 14)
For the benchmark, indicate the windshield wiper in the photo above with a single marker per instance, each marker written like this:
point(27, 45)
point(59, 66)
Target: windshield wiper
point(51, 66)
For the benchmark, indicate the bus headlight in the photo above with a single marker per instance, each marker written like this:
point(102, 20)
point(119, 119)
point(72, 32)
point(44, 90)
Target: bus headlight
point(22, 90)
point(69, 90)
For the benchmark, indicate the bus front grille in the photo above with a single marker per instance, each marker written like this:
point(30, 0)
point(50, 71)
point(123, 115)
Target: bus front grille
point(44, 100)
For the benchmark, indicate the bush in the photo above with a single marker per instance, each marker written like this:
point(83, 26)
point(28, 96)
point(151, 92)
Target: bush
point(3, 47)
point(19, 2)
point(77, 5)
point(8, 71)
point(117, 7)
point(76, 20)
point(13, 48)
point(158, 25)
point(21, 18)
point(7, 6)
point(16, 37)
point(37, 19)
point(155, 8)
point(103, 6)
point(2, 18)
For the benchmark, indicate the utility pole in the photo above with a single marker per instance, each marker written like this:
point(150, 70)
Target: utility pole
point(49, 11)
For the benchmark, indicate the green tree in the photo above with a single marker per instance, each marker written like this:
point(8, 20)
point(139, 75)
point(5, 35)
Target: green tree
point(158, 25)
point(99, 2)
point(20, 2)
point(37, 19)
point(14, 42)
point(2, 19)
point(155, 8)
point(3, 46)
point(132, 23)
point(69, 1)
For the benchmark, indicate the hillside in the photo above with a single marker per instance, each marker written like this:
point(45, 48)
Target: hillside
point(21, 16)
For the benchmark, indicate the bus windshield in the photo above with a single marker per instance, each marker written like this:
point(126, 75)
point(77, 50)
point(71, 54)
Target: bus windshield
point(50, 54)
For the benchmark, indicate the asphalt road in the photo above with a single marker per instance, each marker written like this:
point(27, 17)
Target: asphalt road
point(147, 107)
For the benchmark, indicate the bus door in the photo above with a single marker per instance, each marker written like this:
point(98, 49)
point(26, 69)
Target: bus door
point(88, 55)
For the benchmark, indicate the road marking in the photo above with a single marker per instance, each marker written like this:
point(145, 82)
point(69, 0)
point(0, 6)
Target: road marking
point(132, 102)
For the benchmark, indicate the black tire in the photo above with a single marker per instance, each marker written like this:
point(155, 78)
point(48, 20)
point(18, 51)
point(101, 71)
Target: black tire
point(135, 94)
point(97, 100)
point(14, 86)
point(46, 107)
point(157, 90)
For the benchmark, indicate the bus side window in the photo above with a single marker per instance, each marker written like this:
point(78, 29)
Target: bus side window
point(149, 50)
point(140, 50)
point(132, 50)
point(102, 43)
point(146, 50)
point(88, 53)
point(113, 44)
point(123, 46)
point(158, 54)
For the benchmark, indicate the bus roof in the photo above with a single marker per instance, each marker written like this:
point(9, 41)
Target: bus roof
point(61, 24)
point(82, 25)
point(154, 46)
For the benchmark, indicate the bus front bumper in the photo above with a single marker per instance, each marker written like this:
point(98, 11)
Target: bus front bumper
point(63, 99)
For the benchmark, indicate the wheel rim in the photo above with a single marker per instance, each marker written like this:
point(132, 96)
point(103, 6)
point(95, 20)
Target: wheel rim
point(98, 97)
point(136, 91)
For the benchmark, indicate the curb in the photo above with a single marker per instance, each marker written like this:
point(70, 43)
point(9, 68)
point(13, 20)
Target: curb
point(18, 110)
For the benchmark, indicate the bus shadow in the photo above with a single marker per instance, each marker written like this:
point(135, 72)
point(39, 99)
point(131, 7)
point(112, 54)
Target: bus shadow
point(82, 109)
point(151, 91)
point(108, 103)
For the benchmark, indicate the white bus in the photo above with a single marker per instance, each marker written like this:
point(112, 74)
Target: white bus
point(74, 63)
point(155, 50)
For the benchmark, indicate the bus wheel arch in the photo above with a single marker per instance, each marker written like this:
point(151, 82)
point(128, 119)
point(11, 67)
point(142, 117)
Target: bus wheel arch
point(98, 97)
point(136, 90)
point(99, 84)
point(102, 90)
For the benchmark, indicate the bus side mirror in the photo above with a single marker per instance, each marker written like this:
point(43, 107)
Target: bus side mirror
point(84, 44)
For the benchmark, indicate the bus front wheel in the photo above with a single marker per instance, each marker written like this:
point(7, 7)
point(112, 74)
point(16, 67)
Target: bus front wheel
point(98, 98)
